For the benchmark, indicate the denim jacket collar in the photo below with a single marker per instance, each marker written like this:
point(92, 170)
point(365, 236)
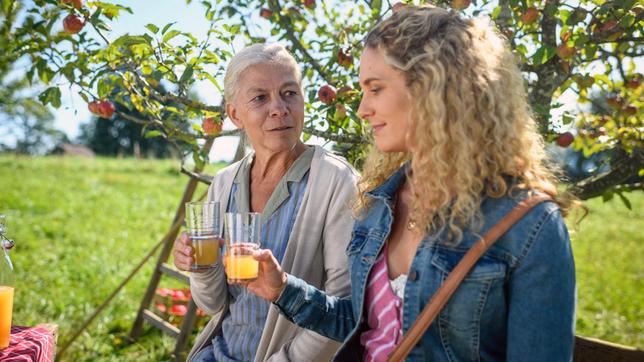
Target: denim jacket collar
point(388, 189)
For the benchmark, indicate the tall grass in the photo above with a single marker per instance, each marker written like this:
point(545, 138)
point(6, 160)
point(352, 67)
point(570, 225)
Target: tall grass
point(81, 225)
point(609, 256)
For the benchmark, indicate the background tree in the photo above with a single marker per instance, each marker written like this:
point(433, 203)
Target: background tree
point(579, 47)
point(28, 122)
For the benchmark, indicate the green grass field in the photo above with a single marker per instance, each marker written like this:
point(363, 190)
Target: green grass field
point(82, 225)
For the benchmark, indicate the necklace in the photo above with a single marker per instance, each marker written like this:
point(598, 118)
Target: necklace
point(411, 222)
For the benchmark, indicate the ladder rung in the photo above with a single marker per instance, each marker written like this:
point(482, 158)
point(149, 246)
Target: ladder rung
point(159, 323)
point(181, 276)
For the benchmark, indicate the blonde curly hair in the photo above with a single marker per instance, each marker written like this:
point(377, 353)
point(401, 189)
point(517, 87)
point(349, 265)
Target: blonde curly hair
point(471, 125)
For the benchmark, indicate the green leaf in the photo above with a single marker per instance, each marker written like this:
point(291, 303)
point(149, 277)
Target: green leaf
point(45, 74)
point(51, 96)
point(84, 96)
point(154, 133)
point(543, 54)
point(6, 6)
point(195, 157)
point(496, 12)
point(111, 10)
point(212, 80)
point(153, 28)
point(167, 26)
point(130, 40)
point(103, 88)
point(567, 118)
point(626, 201)
point(171, 34)
point(607, 196)
point(187, 74)
point(376, 7)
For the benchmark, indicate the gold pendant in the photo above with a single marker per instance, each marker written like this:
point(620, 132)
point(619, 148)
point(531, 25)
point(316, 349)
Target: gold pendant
point(411, 224)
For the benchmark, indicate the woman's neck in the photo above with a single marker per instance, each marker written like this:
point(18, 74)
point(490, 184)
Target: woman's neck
point(275, 165)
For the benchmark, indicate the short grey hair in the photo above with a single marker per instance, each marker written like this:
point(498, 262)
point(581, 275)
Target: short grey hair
point(256, 54)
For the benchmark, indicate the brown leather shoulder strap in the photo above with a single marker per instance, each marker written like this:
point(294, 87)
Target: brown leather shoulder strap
point(454, 279)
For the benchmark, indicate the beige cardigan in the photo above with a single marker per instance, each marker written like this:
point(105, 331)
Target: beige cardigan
point(315, 253)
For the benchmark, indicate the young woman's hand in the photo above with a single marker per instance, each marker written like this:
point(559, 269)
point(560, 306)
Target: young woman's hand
point(271, 279)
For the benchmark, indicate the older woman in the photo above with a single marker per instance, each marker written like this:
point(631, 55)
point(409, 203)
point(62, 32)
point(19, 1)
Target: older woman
point(303, 193)
point(455, 150)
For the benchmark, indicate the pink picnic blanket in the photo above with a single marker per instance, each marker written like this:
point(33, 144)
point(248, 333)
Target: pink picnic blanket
point(29, 344)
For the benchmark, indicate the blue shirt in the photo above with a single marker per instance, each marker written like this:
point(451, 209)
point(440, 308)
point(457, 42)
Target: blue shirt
point(243, 325)
point(516, 303)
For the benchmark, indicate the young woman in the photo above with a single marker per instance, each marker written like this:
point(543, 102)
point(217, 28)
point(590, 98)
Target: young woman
point(456, 148)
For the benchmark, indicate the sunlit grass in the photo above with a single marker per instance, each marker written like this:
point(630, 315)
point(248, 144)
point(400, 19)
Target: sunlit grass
point(81, 225)
point(609, 251)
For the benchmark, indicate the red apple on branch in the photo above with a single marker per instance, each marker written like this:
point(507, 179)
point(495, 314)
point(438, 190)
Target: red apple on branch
point(530, 15)
point(106, 109)
point(344, 59)
point(93, 107)
point(309, 3)
point(630, 110)
point(326, 94)
point(634, 82)
point(565, 139)
point(265, 13)
point(565, 51)
point(103, 109)
point(73, 24)
point(210, 126)
point(459, 4)
point(615, 101)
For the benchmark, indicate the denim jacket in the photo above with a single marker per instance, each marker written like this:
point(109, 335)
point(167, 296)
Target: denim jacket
point(517, 303)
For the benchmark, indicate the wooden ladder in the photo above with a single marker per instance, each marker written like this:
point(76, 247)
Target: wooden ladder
point(162, 267)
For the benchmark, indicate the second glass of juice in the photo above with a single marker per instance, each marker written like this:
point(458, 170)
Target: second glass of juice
point(203, 224)
point(242, 240)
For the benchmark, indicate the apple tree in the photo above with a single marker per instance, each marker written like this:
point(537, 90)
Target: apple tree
point(581, 48)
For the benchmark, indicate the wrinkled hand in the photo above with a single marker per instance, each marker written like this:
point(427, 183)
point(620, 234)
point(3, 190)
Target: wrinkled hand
point(271, 279)
point(183, 254)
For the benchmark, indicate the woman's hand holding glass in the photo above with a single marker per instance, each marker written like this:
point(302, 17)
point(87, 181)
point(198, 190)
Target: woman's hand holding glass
point(183, 253)
point(271, 278)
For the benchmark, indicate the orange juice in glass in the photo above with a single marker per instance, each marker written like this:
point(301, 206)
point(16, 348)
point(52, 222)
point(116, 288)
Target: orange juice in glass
point(6, 306)
point(242, 240)
point(240, 264)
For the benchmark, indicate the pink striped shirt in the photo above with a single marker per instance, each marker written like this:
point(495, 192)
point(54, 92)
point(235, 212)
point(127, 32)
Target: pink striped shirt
point(384, 314)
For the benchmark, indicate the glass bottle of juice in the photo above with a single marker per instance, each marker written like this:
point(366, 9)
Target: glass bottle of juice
point(6, 286)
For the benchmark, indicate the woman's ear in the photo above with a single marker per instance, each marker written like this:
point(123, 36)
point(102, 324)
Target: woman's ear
point(232, 115)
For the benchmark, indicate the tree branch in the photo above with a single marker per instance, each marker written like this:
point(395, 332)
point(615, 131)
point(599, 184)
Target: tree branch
point(206, 179)
point(623, 167)
point(340, 138)
point(290, 33)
